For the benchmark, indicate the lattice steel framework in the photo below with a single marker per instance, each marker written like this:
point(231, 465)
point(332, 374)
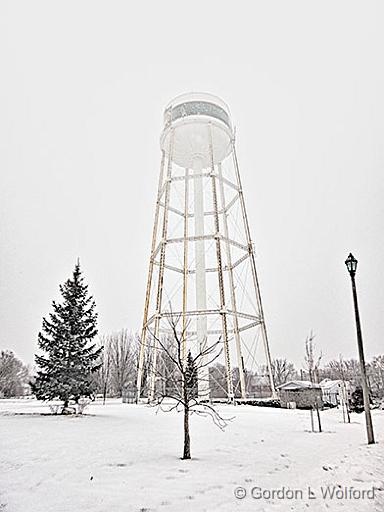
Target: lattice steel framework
point(202, 268)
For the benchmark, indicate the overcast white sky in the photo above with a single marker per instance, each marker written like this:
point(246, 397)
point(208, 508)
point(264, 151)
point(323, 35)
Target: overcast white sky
point(83, 85)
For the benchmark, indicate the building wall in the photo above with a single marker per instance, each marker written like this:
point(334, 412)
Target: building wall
point(302, 397)
point(333, 397)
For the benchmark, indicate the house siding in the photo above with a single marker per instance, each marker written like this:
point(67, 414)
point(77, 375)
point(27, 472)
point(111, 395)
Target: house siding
point(302, 397)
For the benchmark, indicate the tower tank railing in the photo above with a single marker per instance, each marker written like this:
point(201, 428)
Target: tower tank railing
point(196, 108)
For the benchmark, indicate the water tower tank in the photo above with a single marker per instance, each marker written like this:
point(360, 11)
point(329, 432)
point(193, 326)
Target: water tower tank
point(197, 120)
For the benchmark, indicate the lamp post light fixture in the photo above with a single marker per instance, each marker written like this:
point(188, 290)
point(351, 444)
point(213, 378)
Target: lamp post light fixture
point(351, 264)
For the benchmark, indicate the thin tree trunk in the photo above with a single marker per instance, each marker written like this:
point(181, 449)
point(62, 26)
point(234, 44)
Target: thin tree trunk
point(318, 416)
point(187, 441)
point(347, 408)
point(312, 425)
point(106, 378)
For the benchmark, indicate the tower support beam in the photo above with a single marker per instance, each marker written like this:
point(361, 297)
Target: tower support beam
point(240, 360)
point(254, 273)
point(185, 266)
point(149, 283)
point(159, 292)
point(220, 273)
point(200, 276)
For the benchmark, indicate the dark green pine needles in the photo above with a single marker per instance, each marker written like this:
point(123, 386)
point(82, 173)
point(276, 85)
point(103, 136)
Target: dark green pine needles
point(65, 370)
point(191, 377)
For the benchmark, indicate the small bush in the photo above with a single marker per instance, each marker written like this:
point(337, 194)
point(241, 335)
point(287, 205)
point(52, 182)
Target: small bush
point(272, 402)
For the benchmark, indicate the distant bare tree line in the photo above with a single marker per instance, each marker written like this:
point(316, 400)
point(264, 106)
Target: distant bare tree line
point(120, 362)
point(14, 375)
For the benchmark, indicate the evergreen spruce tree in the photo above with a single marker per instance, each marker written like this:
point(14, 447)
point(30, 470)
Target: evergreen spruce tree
point(191, 376)
point(65, 371)
point(357, 400)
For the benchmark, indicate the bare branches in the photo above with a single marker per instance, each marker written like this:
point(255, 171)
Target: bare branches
point(118, 362)
point(282, 371)
point(186, 375)
point(207, 410)
point(312, 361)
point(14, 375)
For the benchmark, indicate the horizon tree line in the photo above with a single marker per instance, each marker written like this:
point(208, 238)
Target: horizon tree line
point(119, 361)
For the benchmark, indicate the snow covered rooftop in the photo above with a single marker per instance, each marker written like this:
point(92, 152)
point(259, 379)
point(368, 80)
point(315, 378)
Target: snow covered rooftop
point(328, 384)
point(298, 384)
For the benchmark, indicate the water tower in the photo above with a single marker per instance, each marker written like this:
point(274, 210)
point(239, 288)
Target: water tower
point(202, 268)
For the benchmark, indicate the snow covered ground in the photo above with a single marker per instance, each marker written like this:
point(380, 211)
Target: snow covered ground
point(122, 458)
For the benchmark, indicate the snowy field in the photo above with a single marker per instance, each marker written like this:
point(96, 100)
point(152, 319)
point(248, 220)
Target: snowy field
point(122, 458)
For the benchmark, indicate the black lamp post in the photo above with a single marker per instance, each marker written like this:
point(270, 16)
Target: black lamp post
point(351, 263)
